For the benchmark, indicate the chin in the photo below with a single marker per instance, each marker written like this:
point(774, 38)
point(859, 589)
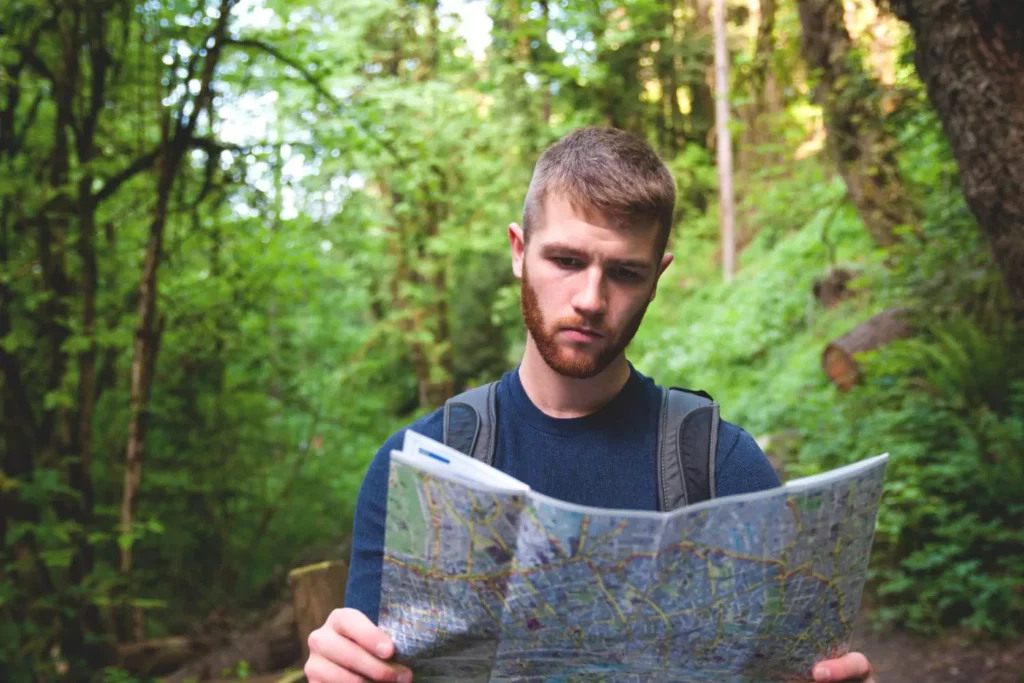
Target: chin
point(577, 365)
point(576, 372)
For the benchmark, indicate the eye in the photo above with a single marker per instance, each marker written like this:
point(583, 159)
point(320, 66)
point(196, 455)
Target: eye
point(626, 275)
point(567, 261)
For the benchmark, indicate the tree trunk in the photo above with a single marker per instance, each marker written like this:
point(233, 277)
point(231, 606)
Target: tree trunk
point(80, 467)
point(317, 590)
point(702, 99)
point(99, 64)
point(764, 45)
point(764, 84)
point(27, 574)
point(970, 55)
point(726, 204)
point(848, 95)
point(677, 139)
point(147, 340)
point(148, 328)
point(838, 359)
point(545, 54)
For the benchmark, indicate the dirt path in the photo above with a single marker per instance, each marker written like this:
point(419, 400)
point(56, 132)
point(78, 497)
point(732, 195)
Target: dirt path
point(903, 658)
point(898, 657)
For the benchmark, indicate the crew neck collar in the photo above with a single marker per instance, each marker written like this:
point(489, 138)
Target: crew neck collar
point(629, 398)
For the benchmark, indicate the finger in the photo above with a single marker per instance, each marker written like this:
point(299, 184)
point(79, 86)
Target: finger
point(851, 667)
point(357, 627)
point(348, 655)
point(320, 670)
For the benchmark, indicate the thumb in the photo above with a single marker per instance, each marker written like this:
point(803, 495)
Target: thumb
point(851, 667)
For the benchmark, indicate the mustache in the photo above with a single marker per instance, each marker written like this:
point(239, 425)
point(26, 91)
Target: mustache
point(581, 323)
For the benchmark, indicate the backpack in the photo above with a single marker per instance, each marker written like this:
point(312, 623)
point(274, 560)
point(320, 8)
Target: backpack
point(687, 439)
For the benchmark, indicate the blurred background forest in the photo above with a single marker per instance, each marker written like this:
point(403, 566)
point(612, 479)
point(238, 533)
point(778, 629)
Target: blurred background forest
point(241, 242)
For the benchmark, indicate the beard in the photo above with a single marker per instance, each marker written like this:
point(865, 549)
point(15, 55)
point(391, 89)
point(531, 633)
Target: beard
point(563, 359)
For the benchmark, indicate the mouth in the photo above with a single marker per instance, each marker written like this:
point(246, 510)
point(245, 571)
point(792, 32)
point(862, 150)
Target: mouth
point(582, 334)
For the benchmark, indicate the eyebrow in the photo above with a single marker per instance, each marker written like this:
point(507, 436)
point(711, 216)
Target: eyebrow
point(560, 248)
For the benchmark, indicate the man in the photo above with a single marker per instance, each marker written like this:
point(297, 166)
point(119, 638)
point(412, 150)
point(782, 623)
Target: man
point(575, 419)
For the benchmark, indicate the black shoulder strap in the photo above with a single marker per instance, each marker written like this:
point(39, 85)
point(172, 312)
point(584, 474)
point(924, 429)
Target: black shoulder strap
point(687, 444)
point(470, 422)
point(687, 439)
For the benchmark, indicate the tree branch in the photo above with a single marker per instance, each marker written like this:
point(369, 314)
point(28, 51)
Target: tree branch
point(100, 62)
point(288, 61)
point(140, 164)
point(12, 378)
point(205, 96)
point(209, 145)
point(31, 59)
point(313, 81)
point(27, 56)
point(304, 450)
point(214, 147)
point(30, 118)
point(9, 368)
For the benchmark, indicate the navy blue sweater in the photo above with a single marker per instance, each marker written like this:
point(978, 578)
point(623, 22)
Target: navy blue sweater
point(605, 459)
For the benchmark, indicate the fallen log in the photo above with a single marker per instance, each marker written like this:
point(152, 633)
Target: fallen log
point(317, 589)
point(157, 656)
point(271, 647)
point(839, 357)
point(286, 676)
point(277, 642)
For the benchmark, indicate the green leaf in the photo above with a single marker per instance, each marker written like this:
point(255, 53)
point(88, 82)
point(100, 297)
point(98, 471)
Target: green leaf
point(57, 559)
point(58, 398)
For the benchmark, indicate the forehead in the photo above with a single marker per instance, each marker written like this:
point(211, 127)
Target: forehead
point(588, 231)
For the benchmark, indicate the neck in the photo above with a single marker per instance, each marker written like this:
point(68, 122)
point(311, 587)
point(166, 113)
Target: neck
point(565, 397)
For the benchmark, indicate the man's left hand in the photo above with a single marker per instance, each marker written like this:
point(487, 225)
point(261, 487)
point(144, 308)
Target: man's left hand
point(851, 667)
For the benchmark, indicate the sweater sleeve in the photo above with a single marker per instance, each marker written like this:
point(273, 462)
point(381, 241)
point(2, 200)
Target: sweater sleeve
point(367, 558)
point(740, 464)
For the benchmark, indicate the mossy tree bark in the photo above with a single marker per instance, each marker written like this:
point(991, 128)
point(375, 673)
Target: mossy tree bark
point(849, 95)
point(970, 55)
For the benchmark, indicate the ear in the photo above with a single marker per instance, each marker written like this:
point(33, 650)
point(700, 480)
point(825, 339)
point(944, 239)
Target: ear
point(666, 260)
point(518, 246)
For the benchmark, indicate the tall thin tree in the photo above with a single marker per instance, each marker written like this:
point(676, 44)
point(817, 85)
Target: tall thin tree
point(724, 143)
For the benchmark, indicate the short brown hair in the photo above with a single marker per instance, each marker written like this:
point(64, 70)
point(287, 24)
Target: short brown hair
point(607, 172)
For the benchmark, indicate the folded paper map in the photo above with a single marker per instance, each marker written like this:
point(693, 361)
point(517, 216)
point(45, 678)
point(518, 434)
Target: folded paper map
point(487, 580)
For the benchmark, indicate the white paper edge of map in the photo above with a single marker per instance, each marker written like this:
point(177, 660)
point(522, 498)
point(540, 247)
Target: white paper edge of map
point(839, 472)
point(434, 457)
point(795, 486)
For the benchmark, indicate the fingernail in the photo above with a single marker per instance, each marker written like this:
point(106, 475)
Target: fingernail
point(822, 674)
point(382, 649)
point(405, 677)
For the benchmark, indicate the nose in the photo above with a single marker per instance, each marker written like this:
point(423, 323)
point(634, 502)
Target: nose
point(591, 299)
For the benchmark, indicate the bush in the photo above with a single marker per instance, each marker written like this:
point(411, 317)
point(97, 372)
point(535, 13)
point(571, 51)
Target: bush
point(948, 404)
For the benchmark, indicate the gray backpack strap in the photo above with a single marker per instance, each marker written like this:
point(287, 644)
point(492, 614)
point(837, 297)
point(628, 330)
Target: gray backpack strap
point(687, 444)
point(470, 422)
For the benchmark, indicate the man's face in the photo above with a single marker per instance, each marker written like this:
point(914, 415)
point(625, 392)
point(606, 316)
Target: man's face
point(586, 285)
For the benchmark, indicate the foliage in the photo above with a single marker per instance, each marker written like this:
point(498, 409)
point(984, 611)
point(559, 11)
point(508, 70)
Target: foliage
point(947, 405)
point(332, 262)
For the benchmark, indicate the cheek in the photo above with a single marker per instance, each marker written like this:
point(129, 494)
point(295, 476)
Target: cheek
point(553, 296)
point(626, 305)
point(550, 283)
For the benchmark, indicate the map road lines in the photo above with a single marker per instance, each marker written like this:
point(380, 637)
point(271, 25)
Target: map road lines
point(512, 586)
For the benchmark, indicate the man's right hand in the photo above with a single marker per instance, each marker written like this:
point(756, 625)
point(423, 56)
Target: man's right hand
point(350, 648)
